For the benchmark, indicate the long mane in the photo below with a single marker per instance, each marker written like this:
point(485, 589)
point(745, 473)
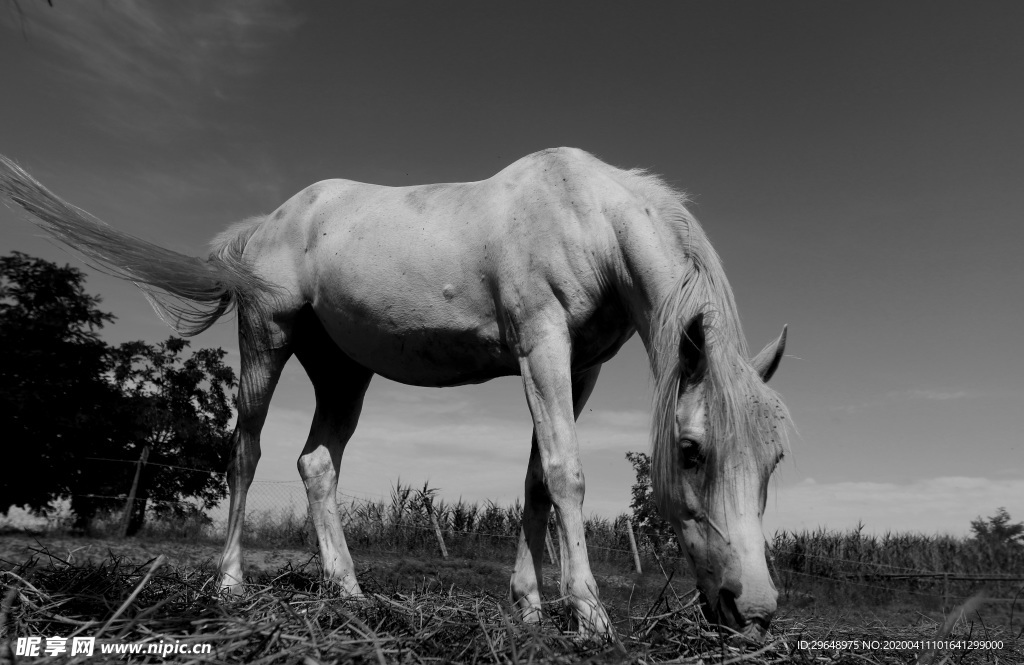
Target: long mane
point(741, 410)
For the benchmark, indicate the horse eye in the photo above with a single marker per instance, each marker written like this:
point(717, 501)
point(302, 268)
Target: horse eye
point(693, 454)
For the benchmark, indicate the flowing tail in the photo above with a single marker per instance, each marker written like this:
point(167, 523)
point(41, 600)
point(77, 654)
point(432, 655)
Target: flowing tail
point(188, 293)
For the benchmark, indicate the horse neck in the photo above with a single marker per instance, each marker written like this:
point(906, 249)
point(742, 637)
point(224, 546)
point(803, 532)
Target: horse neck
point(670, 272)
point(645, 310)
point(649, 290)
point(664, 299)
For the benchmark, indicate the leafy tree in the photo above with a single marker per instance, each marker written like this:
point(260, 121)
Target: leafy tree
point(998, 530)
point(645, 511)
point(69, 404)
point(177, 410)
point(54, 401)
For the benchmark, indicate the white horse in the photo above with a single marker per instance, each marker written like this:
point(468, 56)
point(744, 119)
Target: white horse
point(543, 271)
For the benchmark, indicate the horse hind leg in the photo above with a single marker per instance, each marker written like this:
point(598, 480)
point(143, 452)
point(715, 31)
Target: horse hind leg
point(340, 385)
point(263, 357)
point(526, 577)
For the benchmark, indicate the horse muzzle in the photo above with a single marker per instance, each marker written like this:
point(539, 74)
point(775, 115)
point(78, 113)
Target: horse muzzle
point(731, 612)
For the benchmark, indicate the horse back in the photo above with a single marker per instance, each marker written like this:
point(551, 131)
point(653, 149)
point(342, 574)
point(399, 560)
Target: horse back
point(422, 283)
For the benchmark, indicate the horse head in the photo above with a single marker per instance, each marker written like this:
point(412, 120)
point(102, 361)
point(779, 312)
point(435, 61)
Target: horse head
point(711, 468)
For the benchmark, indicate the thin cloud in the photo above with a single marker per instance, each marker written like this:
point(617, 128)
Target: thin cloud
point(146, 68)
point(619, 419)
point(895, 396)
point(207, 174)
point(417, 404)
point(933, 395)
point(931, 505)
point(483, 456)
point(481, 460)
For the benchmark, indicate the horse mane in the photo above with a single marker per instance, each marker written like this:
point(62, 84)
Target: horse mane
point(741, 410)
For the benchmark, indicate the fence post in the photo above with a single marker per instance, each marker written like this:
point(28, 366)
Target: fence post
point(437, 527)
point(632, 546)
point(550, 545)
point(126, 520)
point(945, 591)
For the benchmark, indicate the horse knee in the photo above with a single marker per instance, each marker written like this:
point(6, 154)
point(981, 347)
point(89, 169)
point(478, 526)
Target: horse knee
point(564, 481)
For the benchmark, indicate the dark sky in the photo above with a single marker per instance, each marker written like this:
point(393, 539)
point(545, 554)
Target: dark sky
point(858, 166)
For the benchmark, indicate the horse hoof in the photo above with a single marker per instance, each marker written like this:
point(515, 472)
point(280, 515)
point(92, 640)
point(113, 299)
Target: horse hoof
point(594, 625)
point(347, 587)
point(232, 589)
point(530, 615)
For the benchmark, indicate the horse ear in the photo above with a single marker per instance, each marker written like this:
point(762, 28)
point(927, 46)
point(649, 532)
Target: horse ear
point(768, 360)
point(693, 358)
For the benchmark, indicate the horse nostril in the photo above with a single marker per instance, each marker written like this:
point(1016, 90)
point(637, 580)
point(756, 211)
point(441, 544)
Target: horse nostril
point(728, 613)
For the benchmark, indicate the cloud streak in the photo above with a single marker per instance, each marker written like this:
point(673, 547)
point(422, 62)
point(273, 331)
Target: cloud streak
point(910, 395)
point(930, 395)
point(147, 68)
point(944, 504)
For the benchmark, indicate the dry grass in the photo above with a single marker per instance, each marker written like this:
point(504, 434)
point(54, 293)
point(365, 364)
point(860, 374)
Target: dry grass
point(833, 552)
point(418, 611)
point(419, 608)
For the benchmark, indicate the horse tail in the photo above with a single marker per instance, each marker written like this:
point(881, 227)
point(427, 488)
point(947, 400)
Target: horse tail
point(187, 292)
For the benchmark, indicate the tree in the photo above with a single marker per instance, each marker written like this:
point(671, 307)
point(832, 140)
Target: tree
point(71, 406)
point(998, 530)
point(54, 401)
point(645, 511)
point(177, 412)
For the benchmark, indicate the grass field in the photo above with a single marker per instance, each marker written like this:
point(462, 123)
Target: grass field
point(160, 588)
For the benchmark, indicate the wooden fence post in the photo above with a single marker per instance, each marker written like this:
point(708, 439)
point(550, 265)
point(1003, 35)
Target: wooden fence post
point(550, 545)
point(126, 520)
point(437, 527)
point(632, 546)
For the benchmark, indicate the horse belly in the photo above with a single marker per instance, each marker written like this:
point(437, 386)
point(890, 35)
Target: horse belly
point(436, 358)
point(418, 344)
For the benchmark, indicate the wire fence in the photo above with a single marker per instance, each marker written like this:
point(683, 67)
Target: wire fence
point(416, 519)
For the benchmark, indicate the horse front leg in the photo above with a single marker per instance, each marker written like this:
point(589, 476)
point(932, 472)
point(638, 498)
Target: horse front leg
point(526, 578)
point(544, 362)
